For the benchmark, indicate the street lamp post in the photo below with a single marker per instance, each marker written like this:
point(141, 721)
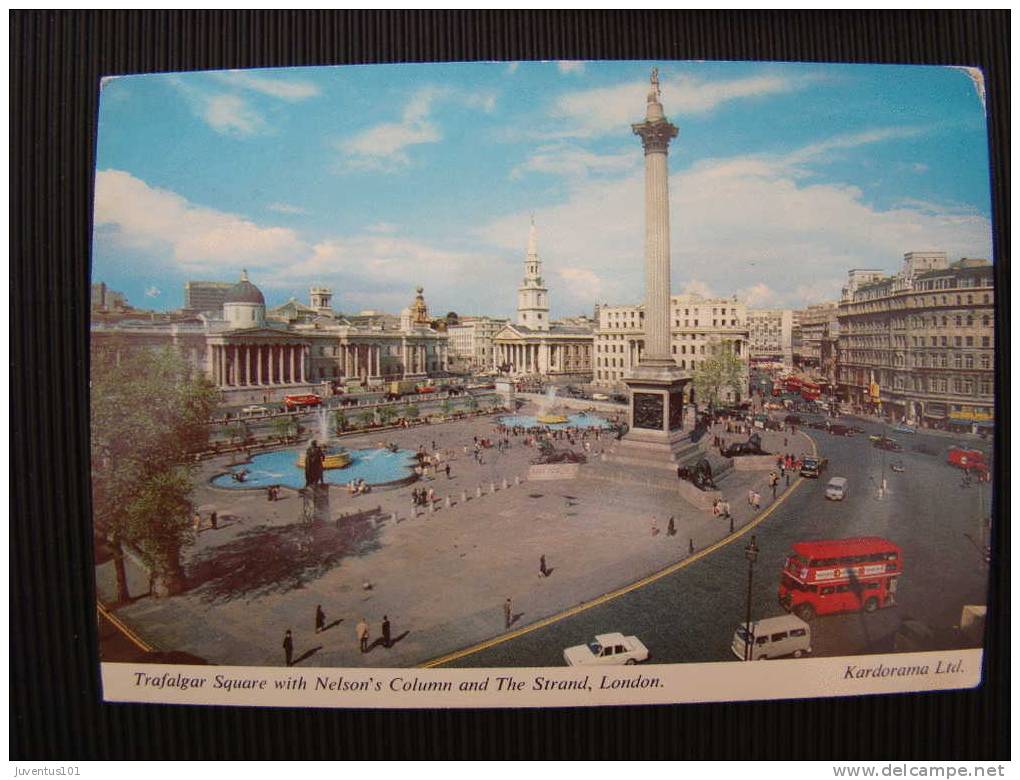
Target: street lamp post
point(751, 553)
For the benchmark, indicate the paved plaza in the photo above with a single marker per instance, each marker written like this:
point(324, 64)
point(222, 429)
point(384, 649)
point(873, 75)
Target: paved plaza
point(441, 577)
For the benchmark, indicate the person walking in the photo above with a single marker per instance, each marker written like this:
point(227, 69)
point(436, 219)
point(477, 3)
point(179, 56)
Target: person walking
point(197, 522)
point(756, 500)
point(542, 567)
point(362, 633)
point(750, 497)
point(320, 619)
point(447, 470)
point(671, 528)
point(386, 632)
point(508, 608)
point(288, 647)
point(213, 519)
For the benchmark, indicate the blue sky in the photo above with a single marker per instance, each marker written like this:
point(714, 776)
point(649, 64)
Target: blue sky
point(374, 179)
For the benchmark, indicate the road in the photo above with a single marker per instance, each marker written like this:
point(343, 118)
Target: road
point(690, 615)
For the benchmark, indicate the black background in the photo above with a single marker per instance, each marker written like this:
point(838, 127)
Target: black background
point(56, 62)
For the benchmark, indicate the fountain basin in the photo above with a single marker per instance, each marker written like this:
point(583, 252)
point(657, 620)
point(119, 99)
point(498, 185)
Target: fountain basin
point(552, 419)
point(578, 420)
point(336, 458)
point(378, 467)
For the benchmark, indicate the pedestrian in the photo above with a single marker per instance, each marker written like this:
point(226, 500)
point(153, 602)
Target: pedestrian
point(756, 500)
point(788, 479)
point(320, 619)
point(541, 567)
point(508, 608)
point(671, 528)
point(288, 647)
point(750, 497)
point(655, 527)
point(362, 633)
point(386, 632)
point(447, 470)
point(197, 522)
point(213, 519)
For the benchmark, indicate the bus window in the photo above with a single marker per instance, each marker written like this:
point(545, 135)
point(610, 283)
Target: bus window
point(778, 637)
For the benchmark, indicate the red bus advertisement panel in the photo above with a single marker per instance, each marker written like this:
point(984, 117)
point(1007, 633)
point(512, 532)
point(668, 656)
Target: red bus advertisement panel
point(840, 575)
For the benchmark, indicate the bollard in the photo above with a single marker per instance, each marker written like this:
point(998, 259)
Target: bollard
point(463, 496)
point(492, 487)
point(393, 517)
point(517, 480)
point(432, 507)
point(478, 491)
point(505, 484)
point(449, 503)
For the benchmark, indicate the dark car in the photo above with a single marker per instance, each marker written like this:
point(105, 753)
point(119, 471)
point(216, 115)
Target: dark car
point(818, 425)
point(885, 443)
point(840, 430)
point(743, 448)
point(813, 467)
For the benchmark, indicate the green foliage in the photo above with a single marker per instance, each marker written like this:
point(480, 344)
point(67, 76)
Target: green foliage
point(386, 413)
point(721, 371)
point(149, 415)
point(367, 417)
point(447, 406)
point(284, 427)
point(340, 421)
point(412, 412)
point(472, 403)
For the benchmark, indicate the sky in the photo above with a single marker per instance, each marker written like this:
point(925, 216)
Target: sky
point(373, 179)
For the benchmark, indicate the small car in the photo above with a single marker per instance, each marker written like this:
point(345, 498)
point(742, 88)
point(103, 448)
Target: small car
point(837, 489)
point(255, 410)
point(607, 650)
point(840, 430)
point(903, 428)
point(885, 443)
point(813, 467)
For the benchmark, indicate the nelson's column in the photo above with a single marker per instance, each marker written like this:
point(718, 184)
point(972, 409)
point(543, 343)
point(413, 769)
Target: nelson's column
point(656, 383)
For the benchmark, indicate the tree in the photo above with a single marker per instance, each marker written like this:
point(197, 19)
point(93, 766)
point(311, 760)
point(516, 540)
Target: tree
point(284, 427)
point(721, 371)
point(386, 413)
point(447, 407)
point(340, 421)
point(412, 412)
point(149, 416)
point(472, 403)
point(367, 417)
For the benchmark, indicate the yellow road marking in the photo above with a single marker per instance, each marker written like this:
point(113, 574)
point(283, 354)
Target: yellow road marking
point(131, 635)
point(614, 594)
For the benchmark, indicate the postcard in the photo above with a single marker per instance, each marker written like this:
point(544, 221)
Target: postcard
point(541, 383)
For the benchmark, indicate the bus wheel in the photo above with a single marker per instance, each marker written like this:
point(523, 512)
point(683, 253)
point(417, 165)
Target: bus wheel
point(805, 612)
point(798, 653)
point(871, 604)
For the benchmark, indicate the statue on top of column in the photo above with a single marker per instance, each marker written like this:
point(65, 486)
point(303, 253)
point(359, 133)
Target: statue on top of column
point(656, 92)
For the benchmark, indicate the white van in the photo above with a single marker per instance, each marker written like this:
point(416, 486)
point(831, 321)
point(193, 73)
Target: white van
point(837, 489)
point(774, 637)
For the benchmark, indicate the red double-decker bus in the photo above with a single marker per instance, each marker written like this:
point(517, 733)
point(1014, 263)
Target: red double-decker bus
point(300, 401)
point(840, 575)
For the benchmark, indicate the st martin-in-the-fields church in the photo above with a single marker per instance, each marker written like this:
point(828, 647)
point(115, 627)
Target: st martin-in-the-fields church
point(534, 345)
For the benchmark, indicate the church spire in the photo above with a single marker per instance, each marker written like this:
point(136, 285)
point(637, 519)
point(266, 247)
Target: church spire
point(532, 295)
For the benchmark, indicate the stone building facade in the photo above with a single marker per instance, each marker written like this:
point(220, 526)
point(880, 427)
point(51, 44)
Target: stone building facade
point(697, 327)
point(770, 335)
point(920, 346)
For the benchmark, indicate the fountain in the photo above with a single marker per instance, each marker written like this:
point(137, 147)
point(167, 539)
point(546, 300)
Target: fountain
point(545, 414)
point(337, 457)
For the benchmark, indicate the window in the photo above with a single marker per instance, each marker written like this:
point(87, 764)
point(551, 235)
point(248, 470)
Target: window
point(986, 362)
point(986, 341)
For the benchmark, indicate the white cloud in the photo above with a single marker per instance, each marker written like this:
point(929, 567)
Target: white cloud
point(697, 287)
point(284, 89)
point(757, 296)
point(286, 208)
point(383, 147)
point(583, 283)
point(608, 109)
point(153, 291)
point(231, 115)
point(165, 227)
point(570, 66)
point(570, 160)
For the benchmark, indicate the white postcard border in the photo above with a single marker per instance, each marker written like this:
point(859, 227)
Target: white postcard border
point(412, 688)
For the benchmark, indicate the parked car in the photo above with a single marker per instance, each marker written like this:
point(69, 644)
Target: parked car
point(837, 489)
point(772, 638)
point(813, 467)
point(885, 443)
point(599, 397)
point(840, 430)
point(903, 428)
point(743, 448)
point(254, 409)
point(818, 425)
point(607, 650)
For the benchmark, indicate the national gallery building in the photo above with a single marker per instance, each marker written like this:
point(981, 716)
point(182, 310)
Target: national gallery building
point(255, 356)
